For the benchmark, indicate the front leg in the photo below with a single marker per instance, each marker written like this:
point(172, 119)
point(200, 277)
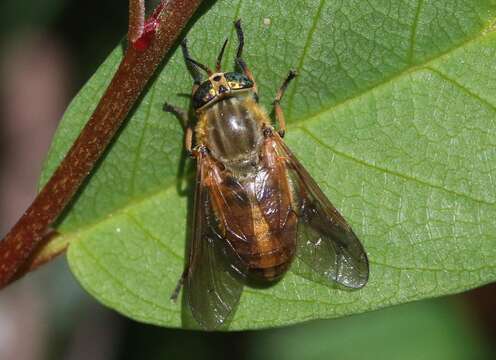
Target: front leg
point(192, 67)
point(239, 60)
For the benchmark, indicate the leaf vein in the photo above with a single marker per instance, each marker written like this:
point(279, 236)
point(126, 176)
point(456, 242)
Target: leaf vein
point(303, 55)
point(390, 172)
point(461, 87)
point(120, 283)
point(153, 237)
point(388, 80)
point(413, 36)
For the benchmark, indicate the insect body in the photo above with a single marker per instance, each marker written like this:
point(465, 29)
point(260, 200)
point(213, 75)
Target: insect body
point(249, 193)
point(256, 207)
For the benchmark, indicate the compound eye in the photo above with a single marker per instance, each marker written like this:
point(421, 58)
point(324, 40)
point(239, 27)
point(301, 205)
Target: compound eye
point(238, 81)
point(217, 78)
point(203, 95)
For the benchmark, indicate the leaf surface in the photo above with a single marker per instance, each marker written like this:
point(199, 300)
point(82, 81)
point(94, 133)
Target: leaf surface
point(394, 114)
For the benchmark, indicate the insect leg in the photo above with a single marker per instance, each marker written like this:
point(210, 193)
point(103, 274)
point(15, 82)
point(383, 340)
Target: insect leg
point(239, 60)
point(277, 103)
point(219, 57)
point(191, 65)
point(183, 116)
point(179, 286)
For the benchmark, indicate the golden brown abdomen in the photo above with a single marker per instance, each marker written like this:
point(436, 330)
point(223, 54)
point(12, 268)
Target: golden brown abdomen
point(272, 249)
point(260, 229)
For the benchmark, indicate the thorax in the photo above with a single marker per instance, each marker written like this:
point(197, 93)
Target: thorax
point(232, 131)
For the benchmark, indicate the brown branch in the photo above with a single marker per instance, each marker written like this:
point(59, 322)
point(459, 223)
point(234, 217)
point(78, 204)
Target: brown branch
point(136, 20)
point(142, 57)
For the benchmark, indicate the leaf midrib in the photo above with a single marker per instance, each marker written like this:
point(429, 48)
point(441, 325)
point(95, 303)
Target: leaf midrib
point(306, 47)
point(389, 171)
point(302, 124)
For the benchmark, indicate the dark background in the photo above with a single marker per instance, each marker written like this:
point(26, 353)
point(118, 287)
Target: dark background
point(48, 49)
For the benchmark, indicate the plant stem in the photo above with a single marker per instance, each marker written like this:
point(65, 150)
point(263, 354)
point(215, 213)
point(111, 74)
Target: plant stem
point(142, 57)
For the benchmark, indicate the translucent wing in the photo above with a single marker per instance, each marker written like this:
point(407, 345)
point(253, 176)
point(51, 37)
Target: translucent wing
point(325, 241)
point(212, 289)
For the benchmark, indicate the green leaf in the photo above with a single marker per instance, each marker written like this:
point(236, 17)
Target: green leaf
point(394, 114)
